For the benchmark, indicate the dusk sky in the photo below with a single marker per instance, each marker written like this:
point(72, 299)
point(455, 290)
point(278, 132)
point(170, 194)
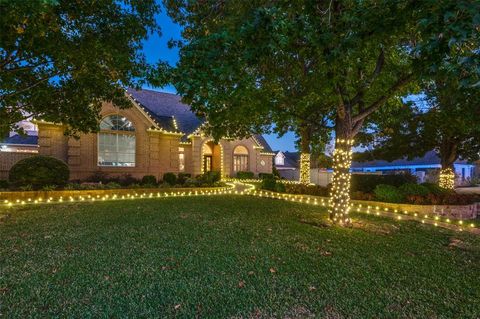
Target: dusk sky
point(156, 48)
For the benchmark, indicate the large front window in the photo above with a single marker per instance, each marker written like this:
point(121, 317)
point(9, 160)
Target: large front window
point(116, 142)
point(240, 159)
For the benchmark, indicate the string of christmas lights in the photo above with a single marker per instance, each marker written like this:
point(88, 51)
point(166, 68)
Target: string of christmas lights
point(339, 202)
point(447, 178)
point(305, 168)
point(249, 189)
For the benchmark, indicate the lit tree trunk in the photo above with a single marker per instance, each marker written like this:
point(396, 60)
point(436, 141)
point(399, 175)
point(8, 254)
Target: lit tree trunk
point(304, 155)
point(448, 155)
point(339, 202)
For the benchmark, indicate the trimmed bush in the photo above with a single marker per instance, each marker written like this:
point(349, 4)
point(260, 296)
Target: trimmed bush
point(315, 190)
point(434, 188)
point(367, 182)
point(149, 180)
point(39, 171)
point(4, 184)
point(170, 178)
point(414, 189)
point(388, 193)
point(245, 175)
point(208, 179)
point(280, 187)
point(269, 184)
point(182, 178)
point(265, 175)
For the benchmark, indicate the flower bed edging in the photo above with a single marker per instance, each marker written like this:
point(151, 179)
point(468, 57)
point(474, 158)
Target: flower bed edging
point(32, 195)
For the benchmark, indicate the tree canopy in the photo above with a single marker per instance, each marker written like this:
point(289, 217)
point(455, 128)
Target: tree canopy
point(445, 118)
point(60, 59)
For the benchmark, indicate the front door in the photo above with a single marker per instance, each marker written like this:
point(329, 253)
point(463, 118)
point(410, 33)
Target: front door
point(207, 163)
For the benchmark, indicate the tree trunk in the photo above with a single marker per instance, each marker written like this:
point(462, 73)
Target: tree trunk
point(304, 155)
point(339, 202)
point(448, 155)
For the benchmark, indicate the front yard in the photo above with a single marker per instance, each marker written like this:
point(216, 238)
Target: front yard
point(229, 256)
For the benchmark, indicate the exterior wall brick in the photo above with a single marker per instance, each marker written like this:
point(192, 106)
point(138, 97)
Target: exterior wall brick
point(8, 159)
point(156, 152)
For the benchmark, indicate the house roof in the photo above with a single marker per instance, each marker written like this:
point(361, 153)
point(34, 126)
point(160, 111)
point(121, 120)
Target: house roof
point(292, 159)
point(20, 140)
point(163, 107)
point(430, 158)
point(263, 143)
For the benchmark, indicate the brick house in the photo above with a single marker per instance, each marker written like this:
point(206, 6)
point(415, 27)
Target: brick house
point(158, 135)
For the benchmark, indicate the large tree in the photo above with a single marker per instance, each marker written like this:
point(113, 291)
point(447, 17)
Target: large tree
point(60, 59)
point(445, 118)
point(361, 54)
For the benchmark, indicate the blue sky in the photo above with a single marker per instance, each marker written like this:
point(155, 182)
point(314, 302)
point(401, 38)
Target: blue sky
point(156, 48)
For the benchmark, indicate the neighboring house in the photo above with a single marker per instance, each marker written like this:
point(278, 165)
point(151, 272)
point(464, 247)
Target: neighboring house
point(158, 135)
point(426, 168)
point(287, 164)
point(19, 144)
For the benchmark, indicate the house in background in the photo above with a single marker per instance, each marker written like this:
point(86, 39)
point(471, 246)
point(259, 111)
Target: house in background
point(159, 134)
point(426, 168)
point(287, 164)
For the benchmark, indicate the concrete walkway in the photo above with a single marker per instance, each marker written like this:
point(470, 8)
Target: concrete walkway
point(468, 190)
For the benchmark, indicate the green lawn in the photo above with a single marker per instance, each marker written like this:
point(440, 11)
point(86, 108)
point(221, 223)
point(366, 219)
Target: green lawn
point(229, 256)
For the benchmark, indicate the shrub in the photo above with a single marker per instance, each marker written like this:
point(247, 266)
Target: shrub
point(367, 182)
point(414, 189)
point(363, 196)
point(170, 178)
point(3, 184)
point(245, 175)
point(149, 179)
point(98, 177)
point(39, 171)
point(315, 190)
point(49, 187)
point(182, 178)
point(124, 180)
point(26, 187)
point(268, 184)
point(275, 172)
point(208, 179)
point(280, 187)
point(434, 188)
point(388, 193)
point(265, 175)
point(72, 186)
point(112, 185)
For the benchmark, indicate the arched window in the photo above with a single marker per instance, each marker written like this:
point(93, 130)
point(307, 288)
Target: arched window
point(240, 159)
point(116, 142)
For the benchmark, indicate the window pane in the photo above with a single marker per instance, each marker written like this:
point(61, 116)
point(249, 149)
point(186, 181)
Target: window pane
point(181, 162)
point(240, 163)
point(116, 123)
point(116, 149)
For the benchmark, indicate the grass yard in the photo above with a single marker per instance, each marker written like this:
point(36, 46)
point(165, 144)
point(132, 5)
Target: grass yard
point(229, 256)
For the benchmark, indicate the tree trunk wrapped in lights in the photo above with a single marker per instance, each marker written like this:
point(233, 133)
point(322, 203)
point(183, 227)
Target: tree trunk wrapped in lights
point(339, 202)
point(305, 168)
point(447, 178)
point(305, 139)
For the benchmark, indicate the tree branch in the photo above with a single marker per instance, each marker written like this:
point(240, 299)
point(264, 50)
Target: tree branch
point(380, 101)
point(378, 69)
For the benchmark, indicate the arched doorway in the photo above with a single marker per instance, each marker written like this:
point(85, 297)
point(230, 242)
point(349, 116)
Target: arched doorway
point(212, 157)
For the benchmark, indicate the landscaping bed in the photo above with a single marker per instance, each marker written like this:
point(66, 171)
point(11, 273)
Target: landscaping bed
point(229, 257)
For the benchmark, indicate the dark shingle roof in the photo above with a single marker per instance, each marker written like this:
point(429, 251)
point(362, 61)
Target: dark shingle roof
point(20, 140)
point(165, 105)
point(292, 159)
point(162, 106)
point(430, 158)
point(263, 143)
